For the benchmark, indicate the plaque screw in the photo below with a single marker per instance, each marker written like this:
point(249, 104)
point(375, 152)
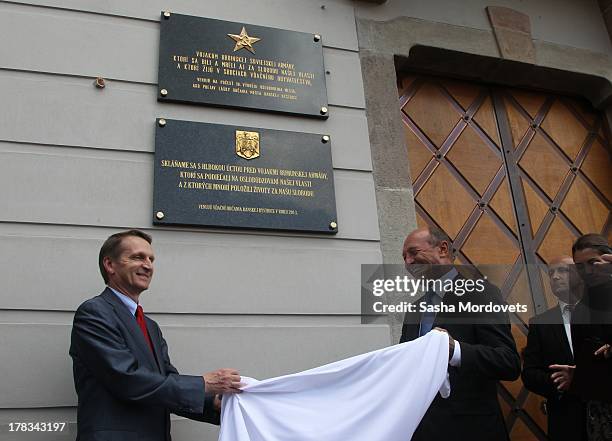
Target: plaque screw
point(163, 92)
point(333, 225)
point(100, 83)
point(162, 123)
point(323, 110)
point(166, 14)
point(317, 37)
point(325, 139)
point(159, 215)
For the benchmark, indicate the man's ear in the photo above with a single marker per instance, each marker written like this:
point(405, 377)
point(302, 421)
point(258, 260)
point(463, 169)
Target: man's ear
point(444, 249)
point(108, 265)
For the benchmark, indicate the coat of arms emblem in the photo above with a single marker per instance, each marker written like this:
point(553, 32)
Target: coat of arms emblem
point(247, 144)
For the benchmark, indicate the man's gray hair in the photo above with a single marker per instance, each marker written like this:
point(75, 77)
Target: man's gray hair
point(437, 236)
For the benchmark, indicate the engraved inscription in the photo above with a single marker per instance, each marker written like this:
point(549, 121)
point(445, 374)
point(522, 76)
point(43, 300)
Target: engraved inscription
point(257, 67)
point(193, 175)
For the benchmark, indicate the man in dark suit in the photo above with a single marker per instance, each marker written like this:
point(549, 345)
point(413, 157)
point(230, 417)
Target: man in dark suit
point(123, 377)
point(592, 335)
point(482, 350)
point(549, 343)
point(591, 322)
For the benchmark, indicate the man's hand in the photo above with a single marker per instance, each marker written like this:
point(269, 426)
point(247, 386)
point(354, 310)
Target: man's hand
point(563, 376)
point(605, 258)
point(222, 381)
point(451, 342)
point(605, 351)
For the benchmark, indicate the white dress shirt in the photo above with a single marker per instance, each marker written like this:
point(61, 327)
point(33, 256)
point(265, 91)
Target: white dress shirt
point(567, 321)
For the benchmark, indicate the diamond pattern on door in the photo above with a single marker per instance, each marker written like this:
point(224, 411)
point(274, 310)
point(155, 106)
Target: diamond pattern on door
point(501, 203)
point(519, 121)
point(485, 118)
point(558, 241)
point(520, 293)
point(505, 407)
point(427, 100)
point(420, 155)
point(514, 387)
point(475, 160)
point(565, 129)
point(478, 246)
point(537, 208)
point(464, 93)
point(582, 206)
point(601, 132)
point(548, 178)
point(585, 112)
point(446, 201)
point(420, 221)
point(405, 84)
point(530, 102)
point(597, 166)
point(521, 431)
point(533, 406)
point(554, 186)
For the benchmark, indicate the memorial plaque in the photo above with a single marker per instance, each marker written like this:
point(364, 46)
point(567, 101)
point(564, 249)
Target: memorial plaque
point(222, 63)
point(234, 176)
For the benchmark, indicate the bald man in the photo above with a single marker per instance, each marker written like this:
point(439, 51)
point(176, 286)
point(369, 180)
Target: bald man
point(482, 349)
point(549, 353)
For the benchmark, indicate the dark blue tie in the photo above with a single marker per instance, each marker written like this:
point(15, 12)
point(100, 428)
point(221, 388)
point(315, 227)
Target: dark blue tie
point(427, 319)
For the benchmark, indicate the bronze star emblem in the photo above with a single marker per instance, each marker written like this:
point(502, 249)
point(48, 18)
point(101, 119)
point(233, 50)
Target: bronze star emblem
point(244, 41)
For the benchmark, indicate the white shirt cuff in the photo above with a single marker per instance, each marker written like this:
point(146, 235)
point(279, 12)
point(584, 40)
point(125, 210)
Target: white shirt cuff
point(455, 360)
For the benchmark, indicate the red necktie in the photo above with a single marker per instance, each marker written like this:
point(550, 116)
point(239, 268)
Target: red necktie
point(143, 327)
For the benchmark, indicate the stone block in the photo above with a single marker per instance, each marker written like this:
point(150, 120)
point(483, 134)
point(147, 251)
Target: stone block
point(512, 31)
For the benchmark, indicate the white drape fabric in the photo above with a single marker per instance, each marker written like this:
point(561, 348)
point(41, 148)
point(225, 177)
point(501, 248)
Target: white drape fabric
point(378, 396)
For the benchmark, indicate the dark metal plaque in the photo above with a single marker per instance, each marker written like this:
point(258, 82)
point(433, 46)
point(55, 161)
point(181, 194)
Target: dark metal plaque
point(222, 63)
point(233, 176)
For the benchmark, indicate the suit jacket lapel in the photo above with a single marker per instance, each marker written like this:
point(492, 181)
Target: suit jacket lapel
point(143, 352)
point(410, 326)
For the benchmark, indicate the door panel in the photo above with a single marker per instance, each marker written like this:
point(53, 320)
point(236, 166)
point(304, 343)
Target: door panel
point(482, 158)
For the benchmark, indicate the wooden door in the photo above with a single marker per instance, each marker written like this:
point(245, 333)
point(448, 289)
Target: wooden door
point(513, 178)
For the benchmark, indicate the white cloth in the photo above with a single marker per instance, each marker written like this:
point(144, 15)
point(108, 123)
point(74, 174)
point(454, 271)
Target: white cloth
point(378, 396)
